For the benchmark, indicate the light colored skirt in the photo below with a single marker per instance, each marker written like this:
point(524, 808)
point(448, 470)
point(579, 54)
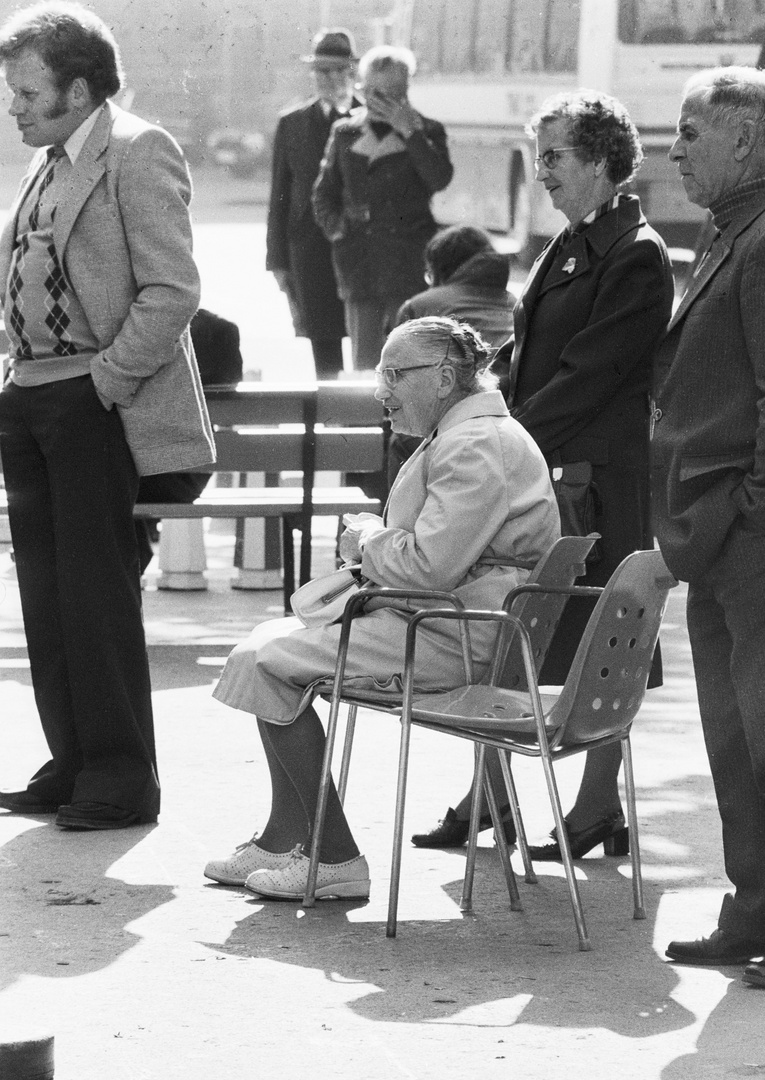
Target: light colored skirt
point(272, 672)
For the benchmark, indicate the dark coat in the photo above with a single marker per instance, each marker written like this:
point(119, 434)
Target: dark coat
point(475, 293)
point(376, 210)
point(294, 242)
point(583, 355)
point(709, 439)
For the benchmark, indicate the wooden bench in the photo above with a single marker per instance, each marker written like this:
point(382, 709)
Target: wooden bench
point(273, 428)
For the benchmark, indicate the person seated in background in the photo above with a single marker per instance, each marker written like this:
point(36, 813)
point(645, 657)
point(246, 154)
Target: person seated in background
point(216, 344)
point(472, 511)
point(468, 281)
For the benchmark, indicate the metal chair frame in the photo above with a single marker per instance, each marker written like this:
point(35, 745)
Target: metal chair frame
point(601, 696)
point(540, 606)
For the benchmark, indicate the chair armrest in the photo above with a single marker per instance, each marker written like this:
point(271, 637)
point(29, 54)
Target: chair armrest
point(533, 587)
point(356, 602)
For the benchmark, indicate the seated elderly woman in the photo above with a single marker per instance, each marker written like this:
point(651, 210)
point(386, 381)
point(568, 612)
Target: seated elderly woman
point(471, 511)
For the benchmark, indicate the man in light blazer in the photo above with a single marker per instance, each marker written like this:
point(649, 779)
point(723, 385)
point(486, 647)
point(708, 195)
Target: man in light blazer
point(709, 481)
point(99, 286)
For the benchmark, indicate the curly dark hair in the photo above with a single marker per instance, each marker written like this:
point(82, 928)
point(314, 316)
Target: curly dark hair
point(600, 128)
point(72, 41)
point(451, 247)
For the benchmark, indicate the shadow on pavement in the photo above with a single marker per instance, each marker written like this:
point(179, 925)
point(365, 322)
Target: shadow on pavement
point(61, 914)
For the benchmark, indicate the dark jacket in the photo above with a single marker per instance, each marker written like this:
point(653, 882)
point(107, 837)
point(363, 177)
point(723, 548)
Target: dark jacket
point(475, 293)
point(709, 439)
point(582, 364)
point(294, 242)
point(373, 202)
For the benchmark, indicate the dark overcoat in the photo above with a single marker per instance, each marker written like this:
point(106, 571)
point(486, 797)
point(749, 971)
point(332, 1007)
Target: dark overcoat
point(709, 444)
point(294, 242)
point(373, 201)
point(586, 328)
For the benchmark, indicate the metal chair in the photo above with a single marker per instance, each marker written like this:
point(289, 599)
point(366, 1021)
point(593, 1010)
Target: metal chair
point(601, 696)
point(537, 605)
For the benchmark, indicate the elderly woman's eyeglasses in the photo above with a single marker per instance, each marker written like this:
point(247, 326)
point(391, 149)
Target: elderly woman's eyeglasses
point(550, 157)
point(389, 375)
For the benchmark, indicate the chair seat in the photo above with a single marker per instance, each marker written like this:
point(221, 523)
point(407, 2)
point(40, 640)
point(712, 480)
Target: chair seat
point(485, 708)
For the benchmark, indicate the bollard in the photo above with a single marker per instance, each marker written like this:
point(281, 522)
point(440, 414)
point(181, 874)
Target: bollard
point(257, 553)
point(27, 1059)
point(182, 558)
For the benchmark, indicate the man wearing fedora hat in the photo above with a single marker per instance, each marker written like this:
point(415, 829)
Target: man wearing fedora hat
point(297, 251)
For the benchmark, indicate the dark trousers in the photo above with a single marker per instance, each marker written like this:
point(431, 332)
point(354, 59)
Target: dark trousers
point(726, 625)
point(327, 357)
point(71, 486)
point(369, 322)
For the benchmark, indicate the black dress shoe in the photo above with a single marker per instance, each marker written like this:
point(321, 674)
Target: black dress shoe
point(754, 974)
point(451, 832)
point(610, 831)
point(96, 815)
point(26, 802)
point(721, 947)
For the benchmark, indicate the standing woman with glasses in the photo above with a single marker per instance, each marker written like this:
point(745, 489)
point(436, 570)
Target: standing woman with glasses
point(471, 511)
point(592, 313)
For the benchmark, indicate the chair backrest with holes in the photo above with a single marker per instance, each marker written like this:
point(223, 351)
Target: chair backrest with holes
point(540, 612)
point(608, 676)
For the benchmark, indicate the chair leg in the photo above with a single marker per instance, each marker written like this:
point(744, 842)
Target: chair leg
point(565, 850)
point(398, 827)
point(345, 763)
point(288, 562)
point(515, 810)
point(504, 854)
point(309, 898)
point(637, 874)
point(466, 901)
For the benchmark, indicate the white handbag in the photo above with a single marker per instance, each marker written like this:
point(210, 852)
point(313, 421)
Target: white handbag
point(322, 601)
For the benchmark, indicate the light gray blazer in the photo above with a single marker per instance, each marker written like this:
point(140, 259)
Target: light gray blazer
point(123, 237)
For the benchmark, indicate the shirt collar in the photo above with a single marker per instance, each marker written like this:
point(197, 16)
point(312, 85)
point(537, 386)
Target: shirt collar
point(343, 109)
point(78, 138)
point(598, 212)
point(725, 209)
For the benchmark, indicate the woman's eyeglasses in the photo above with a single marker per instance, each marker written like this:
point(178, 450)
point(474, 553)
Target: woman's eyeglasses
point(550, 157)
point(389, 375)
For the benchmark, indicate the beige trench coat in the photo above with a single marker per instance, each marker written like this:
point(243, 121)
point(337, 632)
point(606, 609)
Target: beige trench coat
point(477, 487)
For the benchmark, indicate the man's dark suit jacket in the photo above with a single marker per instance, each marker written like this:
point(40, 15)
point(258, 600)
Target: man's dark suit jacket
point(586, 328)
point(709, 440)
point(294, 242)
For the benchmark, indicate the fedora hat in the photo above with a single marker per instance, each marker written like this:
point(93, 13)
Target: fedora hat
point(332, 48)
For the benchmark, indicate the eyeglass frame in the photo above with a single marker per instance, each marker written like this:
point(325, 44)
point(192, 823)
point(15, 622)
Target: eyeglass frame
point(553, 150)
point(381, 374)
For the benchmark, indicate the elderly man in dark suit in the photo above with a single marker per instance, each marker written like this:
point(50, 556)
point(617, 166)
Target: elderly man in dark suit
point(99, 286)
point(297, 252)
point(709, 481)
point(372, 199)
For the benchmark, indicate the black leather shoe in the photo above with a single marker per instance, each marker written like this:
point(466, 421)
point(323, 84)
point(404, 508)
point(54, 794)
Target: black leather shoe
point(611, 832)
point(96, 815)
point(720, 947)
point(754, 974)
point(451, 832)
point(26, 802)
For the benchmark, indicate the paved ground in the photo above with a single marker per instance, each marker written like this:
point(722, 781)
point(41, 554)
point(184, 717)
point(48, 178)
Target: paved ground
point(142, 969)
